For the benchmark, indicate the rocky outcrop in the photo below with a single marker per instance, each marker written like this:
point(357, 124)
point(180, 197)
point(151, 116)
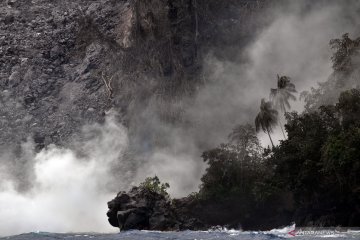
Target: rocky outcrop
point(147, 210)
point(144, 209)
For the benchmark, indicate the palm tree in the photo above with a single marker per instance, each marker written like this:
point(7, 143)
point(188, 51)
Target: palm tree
point(281, 95)
point(266, 118)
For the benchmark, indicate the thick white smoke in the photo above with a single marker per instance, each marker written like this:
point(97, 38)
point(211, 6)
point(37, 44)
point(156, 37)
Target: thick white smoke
point(69, 191)
point(295, 44)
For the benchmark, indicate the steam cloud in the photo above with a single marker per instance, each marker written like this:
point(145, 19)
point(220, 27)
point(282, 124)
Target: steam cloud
point(70, 190)
point(295, 44)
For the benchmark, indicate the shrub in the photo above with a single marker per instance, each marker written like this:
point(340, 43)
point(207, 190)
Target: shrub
point(153, 184)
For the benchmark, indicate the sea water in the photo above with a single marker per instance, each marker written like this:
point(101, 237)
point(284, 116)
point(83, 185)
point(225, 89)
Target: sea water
point(186, 235)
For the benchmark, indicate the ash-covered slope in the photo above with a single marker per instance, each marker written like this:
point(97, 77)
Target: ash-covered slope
point(51, 59)
point(56, 58)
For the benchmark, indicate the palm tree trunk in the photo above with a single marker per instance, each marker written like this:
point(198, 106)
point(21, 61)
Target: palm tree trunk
point(270, 138)
point(282, 130)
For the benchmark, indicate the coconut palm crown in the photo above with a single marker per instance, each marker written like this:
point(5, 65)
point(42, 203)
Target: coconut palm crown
point(284, 92)
point(267, 118)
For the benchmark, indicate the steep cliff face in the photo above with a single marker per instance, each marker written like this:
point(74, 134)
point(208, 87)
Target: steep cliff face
point(63, 64)
point(51, 58)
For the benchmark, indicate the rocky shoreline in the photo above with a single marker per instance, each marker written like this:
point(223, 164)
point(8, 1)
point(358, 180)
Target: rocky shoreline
point(144, 209)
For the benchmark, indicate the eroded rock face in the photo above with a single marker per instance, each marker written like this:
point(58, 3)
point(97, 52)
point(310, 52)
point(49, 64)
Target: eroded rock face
point(53, 55)
point(57, 56)
point(146, 210)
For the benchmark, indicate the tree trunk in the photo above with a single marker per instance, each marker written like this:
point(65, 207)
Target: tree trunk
point(282, 130)
point(270, 138)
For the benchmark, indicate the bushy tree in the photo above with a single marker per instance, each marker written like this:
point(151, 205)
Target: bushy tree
point(244, 135)
point(233, 167)
point(346, 66)
point(297, 158)
point(318, 166)
point(346, 50)
point(320, 160)
point(153, 184)
point(341, 157)
point(349, 107)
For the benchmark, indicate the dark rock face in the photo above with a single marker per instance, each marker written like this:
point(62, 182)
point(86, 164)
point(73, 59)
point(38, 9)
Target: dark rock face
point(50, 59)
point(147, 210)
point(54, 55)
point(57, 58)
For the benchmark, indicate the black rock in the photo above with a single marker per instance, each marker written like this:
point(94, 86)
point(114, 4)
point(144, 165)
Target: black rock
point(146, 210)
point(9, 19)
point(137, 219)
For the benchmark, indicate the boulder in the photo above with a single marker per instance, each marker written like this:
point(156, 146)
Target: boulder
point(144, 209)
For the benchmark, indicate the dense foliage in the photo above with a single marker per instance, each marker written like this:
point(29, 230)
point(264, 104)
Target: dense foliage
point(313, 175)
point(346, 66)
point(318, 164)
point(153, 184)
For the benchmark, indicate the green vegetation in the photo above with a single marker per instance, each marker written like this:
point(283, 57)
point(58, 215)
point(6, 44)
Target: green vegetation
point(284, 92)
point(311, 177)
point(153, 184)
point(318, 164)
point(281, 95)
point(346, 52)
point(346, 65)
point(314, 174)
point(266, 119)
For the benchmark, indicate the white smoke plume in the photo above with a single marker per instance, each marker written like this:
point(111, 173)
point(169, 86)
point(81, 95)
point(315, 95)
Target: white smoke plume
point(69, 191)
point(295, 44)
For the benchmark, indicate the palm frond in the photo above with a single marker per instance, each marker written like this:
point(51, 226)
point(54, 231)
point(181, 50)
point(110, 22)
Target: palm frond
point(280, 97)
point(267, 117)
